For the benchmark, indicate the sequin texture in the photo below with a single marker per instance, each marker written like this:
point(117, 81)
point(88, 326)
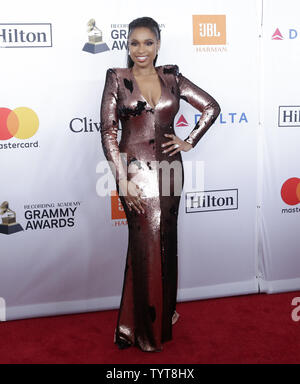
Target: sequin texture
point(149, 292)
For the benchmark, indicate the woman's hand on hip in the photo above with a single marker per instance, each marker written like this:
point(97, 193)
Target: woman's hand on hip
point(175, 145)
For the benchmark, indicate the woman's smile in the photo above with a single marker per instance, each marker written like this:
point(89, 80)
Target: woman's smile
point(141, 58)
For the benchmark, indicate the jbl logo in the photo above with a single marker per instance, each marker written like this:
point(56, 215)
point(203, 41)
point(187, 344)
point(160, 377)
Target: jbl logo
point(209, 29)
point(117, 210)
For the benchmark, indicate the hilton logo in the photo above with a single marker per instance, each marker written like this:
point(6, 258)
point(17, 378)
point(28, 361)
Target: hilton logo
point(214, 200)
point(25, 35)
point(289, 116)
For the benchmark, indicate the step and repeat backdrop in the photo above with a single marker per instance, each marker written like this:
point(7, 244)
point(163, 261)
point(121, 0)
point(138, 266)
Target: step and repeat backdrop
point(279, 172)
point(63, 241)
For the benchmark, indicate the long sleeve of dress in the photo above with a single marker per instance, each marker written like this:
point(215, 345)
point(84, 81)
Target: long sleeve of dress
point(109, 125)
point(200, 100)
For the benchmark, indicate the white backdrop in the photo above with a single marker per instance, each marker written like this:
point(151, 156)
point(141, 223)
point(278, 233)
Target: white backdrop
point(70, 256)
point(279, 217)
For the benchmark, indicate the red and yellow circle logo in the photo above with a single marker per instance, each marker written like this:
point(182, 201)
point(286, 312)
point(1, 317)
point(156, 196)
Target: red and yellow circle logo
point(290, 191)
point(21, 123)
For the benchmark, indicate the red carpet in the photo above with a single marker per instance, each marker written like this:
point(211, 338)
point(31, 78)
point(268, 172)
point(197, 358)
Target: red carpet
point(243, 329)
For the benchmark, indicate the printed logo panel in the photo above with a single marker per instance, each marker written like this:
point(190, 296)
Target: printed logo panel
point(290, 191)
point(209, 29)
point(28, 35)
point(20, 123)
point(214, 200)
point(117, 210)
point(289, 116)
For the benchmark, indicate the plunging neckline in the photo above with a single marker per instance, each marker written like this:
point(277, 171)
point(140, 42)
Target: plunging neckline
point(138, 88)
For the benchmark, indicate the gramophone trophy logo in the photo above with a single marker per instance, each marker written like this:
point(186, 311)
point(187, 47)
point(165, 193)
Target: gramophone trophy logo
point(9, 224)
point(95, 43)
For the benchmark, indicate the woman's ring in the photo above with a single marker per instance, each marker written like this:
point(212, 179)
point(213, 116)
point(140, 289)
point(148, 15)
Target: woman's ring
point(176, 145)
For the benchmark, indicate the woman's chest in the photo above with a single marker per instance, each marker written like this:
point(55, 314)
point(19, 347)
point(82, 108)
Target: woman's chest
point(141, 97)
point(150, 87)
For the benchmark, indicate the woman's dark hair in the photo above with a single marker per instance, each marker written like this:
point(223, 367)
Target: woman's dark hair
point(146, 22)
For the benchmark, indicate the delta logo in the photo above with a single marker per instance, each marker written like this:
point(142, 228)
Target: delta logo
point(290, 194)
point(181, 122)
point(291, 35)
point(20, 123)
point(209, 30)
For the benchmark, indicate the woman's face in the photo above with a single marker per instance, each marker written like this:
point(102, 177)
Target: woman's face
point(143, 47)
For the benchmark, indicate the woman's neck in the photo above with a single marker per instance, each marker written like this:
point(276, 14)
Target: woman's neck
point(144, 71)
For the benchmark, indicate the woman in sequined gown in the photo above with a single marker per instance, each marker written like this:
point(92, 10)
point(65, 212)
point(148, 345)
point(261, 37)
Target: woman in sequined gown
point(147, 166)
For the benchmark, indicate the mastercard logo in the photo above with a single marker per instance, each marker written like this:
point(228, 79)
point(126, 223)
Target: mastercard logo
point(21, 123)
point(290, 191)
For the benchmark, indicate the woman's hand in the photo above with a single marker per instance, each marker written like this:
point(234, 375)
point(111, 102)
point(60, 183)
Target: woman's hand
point(176, 145)
point(132, 195)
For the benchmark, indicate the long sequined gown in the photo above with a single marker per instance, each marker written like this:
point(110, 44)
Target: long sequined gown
point(148, 299)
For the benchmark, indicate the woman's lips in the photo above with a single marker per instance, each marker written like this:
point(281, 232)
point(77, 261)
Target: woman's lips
point(141, 58)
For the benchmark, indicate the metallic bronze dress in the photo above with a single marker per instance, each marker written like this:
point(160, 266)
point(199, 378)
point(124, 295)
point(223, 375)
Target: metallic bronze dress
point(149, 291)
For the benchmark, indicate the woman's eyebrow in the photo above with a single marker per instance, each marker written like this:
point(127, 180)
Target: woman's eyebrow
point(144, 40)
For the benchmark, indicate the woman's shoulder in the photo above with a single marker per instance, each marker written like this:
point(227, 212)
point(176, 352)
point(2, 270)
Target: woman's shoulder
point(116, 73)
point(170, 69)
point(114, 70)
point(165, 69)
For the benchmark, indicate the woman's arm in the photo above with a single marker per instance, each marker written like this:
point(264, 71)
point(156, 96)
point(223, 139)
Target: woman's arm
point(200, 100)
point(109, 125)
